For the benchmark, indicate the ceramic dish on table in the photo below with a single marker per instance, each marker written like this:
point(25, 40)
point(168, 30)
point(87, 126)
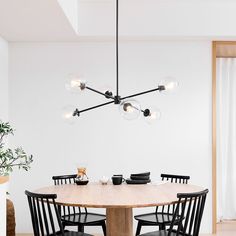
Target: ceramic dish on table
point(81, 182)
point(137, 177)
point(141, 174)
point(131, 181)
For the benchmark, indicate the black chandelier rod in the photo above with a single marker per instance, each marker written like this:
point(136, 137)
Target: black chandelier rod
point(96, 91)
point(117, 58)
point(160, 88)
point(97, 106)
point(117, 48)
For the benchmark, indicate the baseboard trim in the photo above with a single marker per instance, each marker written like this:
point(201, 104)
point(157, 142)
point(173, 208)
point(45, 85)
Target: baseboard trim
point(33, 235)
point(24, 235)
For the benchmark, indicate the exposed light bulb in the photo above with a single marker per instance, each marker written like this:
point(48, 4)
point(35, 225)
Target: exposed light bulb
point(75, 84)
point(69, 114)
point(151, 115)
point(170, 84)
point(130, 109)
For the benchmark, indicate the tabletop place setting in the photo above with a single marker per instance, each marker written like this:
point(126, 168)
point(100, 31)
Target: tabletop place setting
point(116, 179)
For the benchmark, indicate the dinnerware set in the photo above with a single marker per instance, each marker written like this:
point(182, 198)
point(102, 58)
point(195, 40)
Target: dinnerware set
point(117, 179)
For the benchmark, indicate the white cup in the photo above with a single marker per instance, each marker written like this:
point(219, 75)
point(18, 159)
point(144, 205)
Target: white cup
point(104, 180)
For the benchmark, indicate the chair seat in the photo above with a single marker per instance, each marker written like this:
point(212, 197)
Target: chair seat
point(72, 233)
point(159, 233)
point(83, 218)
point(155, 218)
point(76, 234)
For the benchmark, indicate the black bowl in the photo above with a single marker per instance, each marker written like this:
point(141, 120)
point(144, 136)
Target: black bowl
point(81, 182)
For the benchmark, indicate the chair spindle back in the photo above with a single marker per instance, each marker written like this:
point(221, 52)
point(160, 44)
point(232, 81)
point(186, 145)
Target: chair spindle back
point(67, 179)
point(190, 209)
point(43, 211)
point(181, 179)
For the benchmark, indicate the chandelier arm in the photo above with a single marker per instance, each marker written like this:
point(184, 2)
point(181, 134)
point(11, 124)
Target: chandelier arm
point(117, 48)
point(148, 91)
point(96, 91)
point(97, 106)
point(138, 109)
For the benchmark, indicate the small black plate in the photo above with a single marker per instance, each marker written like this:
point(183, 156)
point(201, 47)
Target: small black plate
point(130, 181)
point(141, 174)
point(81, 182)
point(137, 177)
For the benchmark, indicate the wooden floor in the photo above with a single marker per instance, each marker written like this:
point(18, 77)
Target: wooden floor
point(227, 228)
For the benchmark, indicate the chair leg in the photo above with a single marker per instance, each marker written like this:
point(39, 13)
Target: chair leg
point(181, 226)
point(162, 227)
point(104, 229)
point(138, 230)
point(81, 228)
point(63, 225)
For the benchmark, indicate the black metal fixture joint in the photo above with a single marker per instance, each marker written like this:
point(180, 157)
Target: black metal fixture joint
point(146, 112)
point(76, 112)
point(82, 86)
point(108, 94)
point(117, 99)
point(161, 88)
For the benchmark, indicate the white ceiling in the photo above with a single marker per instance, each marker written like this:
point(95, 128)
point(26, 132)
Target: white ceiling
point(74, 20)
point(34, 20)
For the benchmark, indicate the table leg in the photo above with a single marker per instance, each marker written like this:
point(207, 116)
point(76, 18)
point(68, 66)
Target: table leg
point(119, 221)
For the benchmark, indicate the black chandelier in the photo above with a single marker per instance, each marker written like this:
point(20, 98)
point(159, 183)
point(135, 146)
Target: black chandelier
point(129, 108)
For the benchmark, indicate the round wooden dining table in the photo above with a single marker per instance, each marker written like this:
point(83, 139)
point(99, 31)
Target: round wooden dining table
point(119, 200)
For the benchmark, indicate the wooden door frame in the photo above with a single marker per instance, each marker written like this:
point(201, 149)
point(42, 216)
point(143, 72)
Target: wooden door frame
point(214, 157)
point(214, 183)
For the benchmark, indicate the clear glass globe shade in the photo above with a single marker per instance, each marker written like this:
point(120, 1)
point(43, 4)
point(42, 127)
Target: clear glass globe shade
point(130, 109)
point(170, 84)
point(75, 84)
point(154, 116)
point(68, 114)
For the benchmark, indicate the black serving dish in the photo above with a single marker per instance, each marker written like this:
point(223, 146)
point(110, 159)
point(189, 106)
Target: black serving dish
point(141, 174)
point(137, 177)
point(81, 182)
point(131, 181)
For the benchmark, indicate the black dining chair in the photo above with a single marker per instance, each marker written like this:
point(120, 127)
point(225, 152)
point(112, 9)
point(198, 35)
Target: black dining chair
point(77, 216)
point(162, 217)
point(188, 213)
point(45, 216)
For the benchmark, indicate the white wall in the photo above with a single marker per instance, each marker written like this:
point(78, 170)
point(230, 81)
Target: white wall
point(3, 80)
point(3, 117)
point(180, 143)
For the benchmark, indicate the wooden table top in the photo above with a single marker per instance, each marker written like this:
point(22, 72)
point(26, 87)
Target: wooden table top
point(118, 196)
